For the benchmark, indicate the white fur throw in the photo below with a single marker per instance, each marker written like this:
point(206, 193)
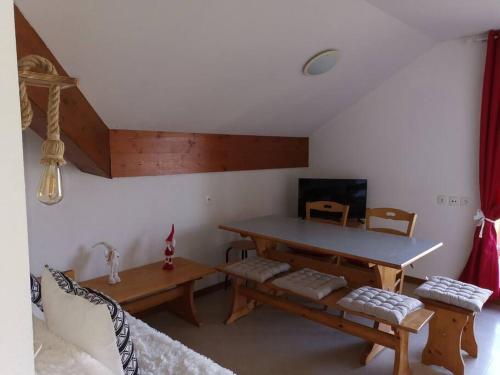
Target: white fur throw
point(58, 357)
point(157, 354)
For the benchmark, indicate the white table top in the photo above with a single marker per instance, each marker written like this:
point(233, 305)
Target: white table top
point(379, 248)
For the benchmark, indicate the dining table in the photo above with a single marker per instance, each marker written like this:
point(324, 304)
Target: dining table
point(386, 256)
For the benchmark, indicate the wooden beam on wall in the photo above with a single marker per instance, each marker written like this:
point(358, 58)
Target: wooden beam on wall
point(95, 149)
point(150, 153)
point(85, 135)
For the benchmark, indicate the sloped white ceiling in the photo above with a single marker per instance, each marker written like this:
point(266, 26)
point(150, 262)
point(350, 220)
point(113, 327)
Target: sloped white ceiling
point(230, 66)
point(445, 19)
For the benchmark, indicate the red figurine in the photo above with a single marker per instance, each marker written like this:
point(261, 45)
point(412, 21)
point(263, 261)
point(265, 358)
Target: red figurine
point(168, 264)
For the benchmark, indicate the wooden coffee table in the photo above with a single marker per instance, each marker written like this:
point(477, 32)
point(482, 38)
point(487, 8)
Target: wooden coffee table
point(147, 286)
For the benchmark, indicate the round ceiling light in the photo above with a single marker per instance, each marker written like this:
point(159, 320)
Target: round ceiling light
point(321, 62)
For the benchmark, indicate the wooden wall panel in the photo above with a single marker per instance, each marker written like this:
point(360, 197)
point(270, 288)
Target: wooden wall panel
point(85, 135)
point(146, 153)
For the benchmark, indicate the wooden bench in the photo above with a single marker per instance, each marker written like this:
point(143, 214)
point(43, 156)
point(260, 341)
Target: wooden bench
point(394, 337)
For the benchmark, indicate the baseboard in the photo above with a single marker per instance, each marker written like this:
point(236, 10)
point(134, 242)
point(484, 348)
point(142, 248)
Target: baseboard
point(414, 280)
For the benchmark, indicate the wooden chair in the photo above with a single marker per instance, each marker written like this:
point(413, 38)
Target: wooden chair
point(241, 246)
point(391, 214)
point(397, 215)
point(325, 206)
point(328, 206)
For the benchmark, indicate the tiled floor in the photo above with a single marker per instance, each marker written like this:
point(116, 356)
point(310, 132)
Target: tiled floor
point(270, 341)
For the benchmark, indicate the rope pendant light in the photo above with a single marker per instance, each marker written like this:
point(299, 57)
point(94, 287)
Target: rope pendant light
point(50, 187)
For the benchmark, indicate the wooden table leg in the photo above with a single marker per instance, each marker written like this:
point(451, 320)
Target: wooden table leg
point(386, 279)
point(373, 349)
point(184, 305)
point(262, 245)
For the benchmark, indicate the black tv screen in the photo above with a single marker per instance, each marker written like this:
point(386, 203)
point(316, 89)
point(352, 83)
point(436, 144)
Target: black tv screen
point(344, 191)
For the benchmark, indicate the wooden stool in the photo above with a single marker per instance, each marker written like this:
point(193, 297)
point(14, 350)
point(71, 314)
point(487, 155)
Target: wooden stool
point(242, 246)
point(451, 329)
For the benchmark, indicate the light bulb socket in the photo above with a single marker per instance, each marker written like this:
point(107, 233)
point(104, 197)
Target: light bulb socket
point(53, 152)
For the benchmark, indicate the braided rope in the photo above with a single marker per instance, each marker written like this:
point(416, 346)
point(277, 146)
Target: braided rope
point(29, 62)
point(26, 110)
point(53, 147)
point(53, 112)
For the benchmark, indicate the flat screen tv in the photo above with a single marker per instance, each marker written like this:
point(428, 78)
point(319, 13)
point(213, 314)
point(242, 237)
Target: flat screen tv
point(344, 191)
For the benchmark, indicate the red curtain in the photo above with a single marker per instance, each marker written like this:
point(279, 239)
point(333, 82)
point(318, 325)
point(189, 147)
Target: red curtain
point(482, 267)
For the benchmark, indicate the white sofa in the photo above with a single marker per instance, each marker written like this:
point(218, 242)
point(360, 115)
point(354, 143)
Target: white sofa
point(157, 354)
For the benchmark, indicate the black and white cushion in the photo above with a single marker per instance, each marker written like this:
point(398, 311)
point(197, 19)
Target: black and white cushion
point(64, 282)
point(122, 329)
point(36, 292)
point(121, 326)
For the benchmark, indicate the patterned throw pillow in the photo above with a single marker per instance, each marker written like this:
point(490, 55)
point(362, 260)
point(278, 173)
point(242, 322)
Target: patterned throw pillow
point(64, 282)
point(36, 291)
point(122, 330)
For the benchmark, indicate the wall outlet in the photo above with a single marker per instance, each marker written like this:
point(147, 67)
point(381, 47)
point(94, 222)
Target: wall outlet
point(453, 201)
point(441, 199)
point(464, 201)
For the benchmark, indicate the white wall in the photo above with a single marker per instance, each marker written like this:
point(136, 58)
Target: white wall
point(414, 137)
point(135, 214)
point(16, 348)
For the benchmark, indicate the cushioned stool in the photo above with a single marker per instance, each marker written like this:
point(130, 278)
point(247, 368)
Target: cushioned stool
point(382, 304)
point(309, 283)
point(451, 329)
point(257, 269)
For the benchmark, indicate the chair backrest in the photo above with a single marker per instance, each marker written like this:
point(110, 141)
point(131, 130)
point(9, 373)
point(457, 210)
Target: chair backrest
point(391, 214)
point(327, 206)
